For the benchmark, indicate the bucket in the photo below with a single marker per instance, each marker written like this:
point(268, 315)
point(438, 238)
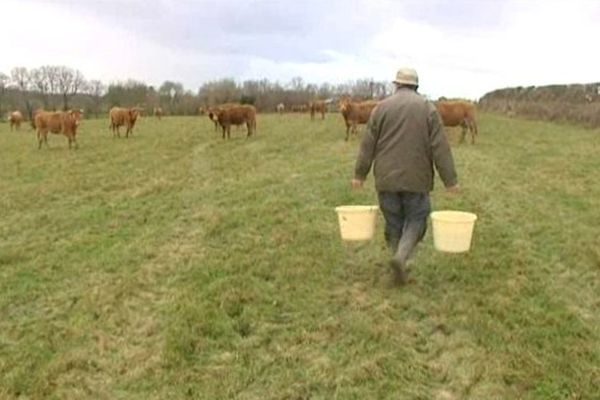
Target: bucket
point(452, 230)
point(357, 222)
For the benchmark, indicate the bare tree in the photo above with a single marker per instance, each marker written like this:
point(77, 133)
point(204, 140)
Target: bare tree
point(51, 74)
point(96, 89)
point(297, 84)
point(69, 83)
point(152, 98)
point(60, 84)
point(219, 92)
point(21, 79)
point(40, 83)
point(363, 89)
point(172, 91)
point(4, 80)
point(126, 94)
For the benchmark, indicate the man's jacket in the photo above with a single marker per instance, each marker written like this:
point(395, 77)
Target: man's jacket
point(404, 139)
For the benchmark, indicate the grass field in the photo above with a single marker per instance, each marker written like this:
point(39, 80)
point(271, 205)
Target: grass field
point(177, 265)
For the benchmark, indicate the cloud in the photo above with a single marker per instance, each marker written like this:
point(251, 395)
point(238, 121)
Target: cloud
point(531, 43)
point(461, 48)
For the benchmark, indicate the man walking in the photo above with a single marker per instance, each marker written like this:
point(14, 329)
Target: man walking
point(404, 139)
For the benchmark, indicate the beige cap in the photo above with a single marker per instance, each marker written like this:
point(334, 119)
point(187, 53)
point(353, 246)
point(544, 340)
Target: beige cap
point(407, 76)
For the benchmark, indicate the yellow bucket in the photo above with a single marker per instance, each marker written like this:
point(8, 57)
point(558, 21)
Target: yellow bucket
point(357, 222)
point(452, 230)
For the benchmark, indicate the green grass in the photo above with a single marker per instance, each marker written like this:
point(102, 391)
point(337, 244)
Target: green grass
point(177, 265)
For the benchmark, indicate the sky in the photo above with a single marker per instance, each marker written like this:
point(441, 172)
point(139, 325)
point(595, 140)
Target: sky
point(460, 48)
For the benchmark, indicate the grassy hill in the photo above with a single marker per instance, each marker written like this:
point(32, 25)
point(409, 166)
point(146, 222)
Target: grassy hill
point(177, 265)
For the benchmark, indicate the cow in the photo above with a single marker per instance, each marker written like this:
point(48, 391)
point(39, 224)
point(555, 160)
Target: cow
point(355, 113)
point(15, 118)
point(158, 112)
point(212, 115)
point(58, 122)
point(280, 108)
point(317, 106)
point(458, 112)
point(236, 114)
point(123, 116)
point(211, 112)
point(34, 113)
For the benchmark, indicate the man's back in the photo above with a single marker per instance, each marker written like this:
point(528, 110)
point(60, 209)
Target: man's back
point(404, 137)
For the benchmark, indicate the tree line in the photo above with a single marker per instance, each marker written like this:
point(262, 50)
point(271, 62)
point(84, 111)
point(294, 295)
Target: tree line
point(54, 87)
point(579, 103)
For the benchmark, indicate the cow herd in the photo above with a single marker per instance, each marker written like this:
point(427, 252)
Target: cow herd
point(453, 114)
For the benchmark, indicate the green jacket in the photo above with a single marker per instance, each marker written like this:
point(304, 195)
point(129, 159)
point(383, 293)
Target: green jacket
point(404, 138)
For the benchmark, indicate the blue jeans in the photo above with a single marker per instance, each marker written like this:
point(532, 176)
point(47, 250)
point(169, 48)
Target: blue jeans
point(405, 216)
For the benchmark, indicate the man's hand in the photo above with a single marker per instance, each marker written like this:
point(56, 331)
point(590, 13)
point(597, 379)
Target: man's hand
point(453, 189)
point(357, 183)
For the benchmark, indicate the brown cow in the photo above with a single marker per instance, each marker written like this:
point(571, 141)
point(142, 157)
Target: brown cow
point(236, 114)
point(355, 113)
point(158, 112)
point(123, 116)
point(458, 112)
point(317, 106)
point(212, 112)
point(15, 118)
point(58, 122)
point(212, 115)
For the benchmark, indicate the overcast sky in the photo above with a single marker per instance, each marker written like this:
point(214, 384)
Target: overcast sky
point(460, 48)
